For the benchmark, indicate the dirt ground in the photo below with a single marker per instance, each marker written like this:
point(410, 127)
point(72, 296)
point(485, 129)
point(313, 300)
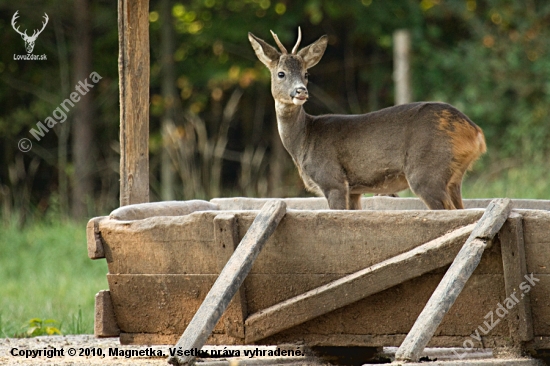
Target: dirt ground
point(82, 344)
point(13, 351)
point(79, 343)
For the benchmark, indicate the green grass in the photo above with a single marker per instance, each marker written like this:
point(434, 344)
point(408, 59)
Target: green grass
point(507, 178)
point(510, 179)
point(45, 273)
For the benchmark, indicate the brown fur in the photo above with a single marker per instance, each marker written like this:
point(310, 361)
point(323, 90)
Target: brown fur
point(426, 146)
point(468, 144)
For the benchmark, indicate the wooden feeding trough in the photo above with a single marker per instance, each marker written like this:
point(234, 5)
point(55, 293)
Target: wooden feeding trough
point(326, 278)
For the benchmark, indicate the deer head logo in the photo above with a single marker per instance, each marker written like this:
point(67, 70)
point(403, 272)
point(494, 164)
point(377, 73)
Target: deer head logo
point(29, 40)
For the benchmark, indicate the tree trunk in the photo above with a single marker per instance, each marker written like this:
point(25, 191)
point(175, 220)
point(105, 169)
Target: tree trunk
point(83, 155)
point(169, 95)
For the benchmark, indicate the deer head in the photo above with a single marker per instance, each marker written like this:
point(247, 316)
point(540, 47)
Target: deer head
point(29, 40)
point(289, 70)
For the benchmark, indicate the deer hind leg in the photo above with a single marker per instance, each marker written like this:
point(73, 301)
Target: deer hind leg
point(434, 193)
point(454, 189)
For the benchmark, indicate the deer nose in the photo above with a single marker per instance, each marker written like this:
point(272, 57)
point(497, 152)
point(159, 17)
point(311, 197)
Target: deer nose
point(300, 93)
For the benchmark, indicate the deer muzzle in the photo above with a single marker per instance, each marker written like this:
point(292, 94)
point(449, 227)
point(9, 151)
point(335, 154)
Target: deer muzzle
point(299, 95)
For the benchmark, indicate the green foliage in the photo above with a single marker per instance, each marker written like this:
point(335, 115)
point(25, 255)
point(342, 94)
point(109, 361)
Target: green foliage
point(38, 327)
point(46, 274)
point(490, 58)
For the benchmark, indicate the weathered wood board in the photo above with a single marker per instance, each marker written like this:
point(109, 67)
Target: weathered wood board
point(150, 286)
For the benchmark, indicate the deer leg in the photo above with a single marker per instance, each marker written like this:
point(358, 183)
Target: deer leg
point(337, 199)
point(387, 195)
point(355, 202)
point(456, 196)
point(433, 193)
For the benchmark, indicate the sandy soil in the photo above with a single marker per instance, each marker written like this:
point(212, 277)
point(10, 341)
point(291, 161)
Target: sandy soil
point(79, 343)
point(82, 344)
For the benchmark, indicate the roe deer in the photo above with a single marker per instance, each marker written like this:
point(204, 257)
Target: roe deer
point(426, 146)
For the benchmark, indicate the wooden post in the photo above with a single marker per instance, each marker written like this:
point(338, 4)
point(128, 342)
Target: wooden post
point(229, 281)
point(105, 324)
point(401, 66)
point(133, 71)
point(454, 280)
point(515, 268)
point(356, 286)
point(93, 238)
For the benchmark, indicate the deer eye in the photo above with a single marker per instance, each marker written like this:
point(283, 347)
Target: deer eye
point(306, 75)
point(281, 75)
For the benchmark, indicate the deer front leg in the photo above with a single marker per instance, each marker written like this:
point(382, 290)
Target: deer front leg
point(337, 199)
point(355, 202)
point(334, 186)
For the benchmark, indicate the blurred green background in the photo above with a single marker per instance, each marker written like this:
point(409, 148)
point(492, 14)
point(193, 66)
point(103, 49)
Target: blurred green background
point(212, 121)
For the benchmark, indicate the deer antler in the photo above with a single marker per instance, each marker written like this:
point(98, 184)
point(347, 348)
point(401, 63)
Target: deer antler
point(35, 34)
point(283, 49)
point(13, 20)
point(295, 49)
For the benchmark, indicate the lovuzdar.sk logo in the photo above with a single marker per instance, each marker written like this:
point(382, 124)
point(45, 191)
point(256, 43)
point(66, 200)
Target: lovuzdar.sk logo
point(29, 40)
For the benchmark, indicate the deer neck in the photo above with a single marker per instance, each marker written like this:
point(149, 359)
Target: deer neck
point(292, 123)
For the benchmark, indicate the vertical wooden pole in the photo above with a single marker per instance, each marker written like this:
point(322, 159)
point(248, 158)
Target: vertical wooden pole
point(133, 71)
point(401, 66)
point(515, 270)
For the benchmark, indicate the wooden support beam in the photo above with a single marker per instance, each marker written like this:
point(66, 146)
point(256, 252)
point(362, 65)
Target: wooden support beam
point(454, 280)
point(105, 324)
point(93, 238)
point(226, 237)
point(515, 269)
point(354, 287)
point(133, 72)
point(229, 281)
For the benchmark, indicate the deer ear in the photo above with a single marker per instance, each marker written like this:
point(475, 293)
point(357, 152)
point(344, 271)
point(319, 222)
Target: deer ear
point(266, 53)
point(312, 54)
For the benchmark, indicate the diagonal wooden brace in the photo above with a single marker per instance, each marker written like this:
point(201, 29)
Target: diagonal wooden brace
point(434, 254)
point(454, 280)
point(229, 281)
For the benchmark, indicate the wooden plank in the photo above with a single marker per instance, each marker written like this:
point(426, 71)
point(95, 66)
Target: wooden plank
point(133, 71)
point(454, 280)
point(227, 239)
point(229, 281)
point(486, 362)
point(540, 305)
point(344, 291)
point(515, 268)
point(330, 340)
point(148, 246)
point(105, 324)
point(536, 226)
point(171, 339)
point(165, 304)
point(306, 242)
point(93, 238)
point(369, 203)
point(165, 208)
